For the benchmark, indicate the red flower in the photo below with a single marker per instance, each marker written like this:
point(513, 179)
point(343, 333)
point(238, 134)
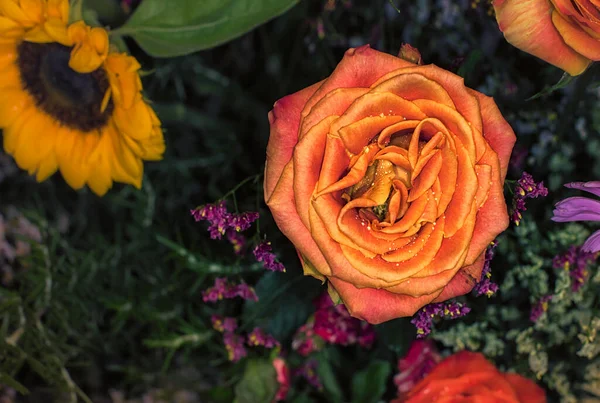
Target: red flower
point(469, 377)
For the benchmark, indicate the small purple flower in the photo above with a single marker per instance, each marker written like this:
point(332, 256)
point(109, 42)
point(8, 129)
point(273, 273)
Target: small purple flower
point(581, 209)
point(258, 337)
point(235, 346)
point(222, 324)
point(221, 221)
point(423, 320)
point(241, 222)
point(485, 285)
point(224, 290)
point(526, 188)
point(309, 372)
point(237, 240)
point(575, 260)
point(539, 308)
point(263, 254)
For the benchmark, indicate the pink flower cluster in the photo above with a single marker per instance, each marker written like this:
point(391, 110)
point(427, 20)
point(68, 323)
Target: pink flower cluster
point(332, 324)
point(283, 378)
point(224, 290)
point(421, 358)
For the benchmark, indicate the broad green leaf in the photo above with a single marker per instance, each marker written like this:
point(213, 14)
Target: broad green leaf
point(178, 27)
point(369, 384)
point(284, 303)
point(327, 376)
point(259, 383)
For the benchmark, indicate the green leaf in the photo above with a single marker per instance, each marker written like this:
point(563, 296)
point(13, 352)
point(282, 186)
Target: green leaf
point(179, 27)
point(259, 383)
point(7, 381)
point(328, 379)
point(369, 384)
point(284, 303)
point(470, 64)
point(563, 82)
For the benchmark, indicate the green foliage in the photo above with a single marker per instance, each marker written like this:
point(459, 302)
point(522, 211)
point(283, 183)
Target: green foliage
point(327, 375)
point(369, 385)
point(258, 384)
point(180, 27)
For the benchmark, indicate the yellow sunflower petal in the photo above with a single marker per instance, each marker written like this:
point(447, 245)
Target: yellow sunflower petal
point(47, 167)
point(36, 142)
point(91, 47)
point(135, 122)
point(10, 77)
point(124, 80)
point(100, 179)
point(126, 167)
point(33, 9)
point(68, 145)
point(56, 29)
point(9, 28)
point(12, 104)
point(12, 10)
point(58, 9)
point(8, 55)
point(11, 135)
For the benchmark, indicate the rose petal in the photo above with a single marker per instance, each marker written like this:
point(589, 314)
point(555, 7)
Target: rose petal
point(377, 306)
point(527, 24)
point(284, 120)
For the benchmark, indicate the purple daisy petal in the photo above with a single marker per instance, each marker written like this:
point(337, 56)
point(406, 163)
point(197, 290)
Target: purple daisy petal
point(592, 187)
point(592, 244)
point(577, 209)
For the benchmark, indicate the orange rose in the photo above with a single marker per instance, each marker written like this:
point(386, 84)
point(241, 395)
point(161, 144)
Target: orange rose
point(469, 377)
point(388, 178)
point(564, 33)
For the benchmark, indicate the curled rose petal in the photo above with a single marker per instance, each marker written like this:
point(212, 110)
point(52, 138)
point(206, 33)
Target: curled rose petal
point(388, 178)
point(562, 32)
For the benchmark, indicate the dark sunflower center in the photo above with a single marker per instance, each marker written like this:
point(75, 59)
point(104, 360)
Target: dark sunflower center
point(73, 99)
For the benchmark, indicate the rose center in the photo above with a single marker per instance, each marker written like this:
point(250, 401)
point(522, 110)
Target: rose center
point(73, 99)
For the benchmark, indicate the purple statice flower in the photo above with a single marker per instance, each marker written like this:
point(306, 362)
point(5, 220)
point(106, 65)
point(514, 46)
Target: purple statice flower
point(258, 337)
point(222, 222)
point(262, 253)
point(224, 290)
point(575, 260)
point(581, 209)
point(241, 222)
point(235, 346)
point(539, 308)
point(526, 188)
point(485, 285)
point(223, 324)
point(246, 292)
point(237, 240)
point(423, 320)
point(308, 371)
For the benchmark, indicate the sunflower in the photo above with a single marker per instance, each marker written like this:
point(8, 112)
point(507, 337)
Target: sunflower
point(70, 102)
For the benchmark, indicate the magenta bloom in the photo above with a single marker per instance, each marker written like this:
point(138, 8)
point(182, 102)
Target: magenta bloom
point(581, 209)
